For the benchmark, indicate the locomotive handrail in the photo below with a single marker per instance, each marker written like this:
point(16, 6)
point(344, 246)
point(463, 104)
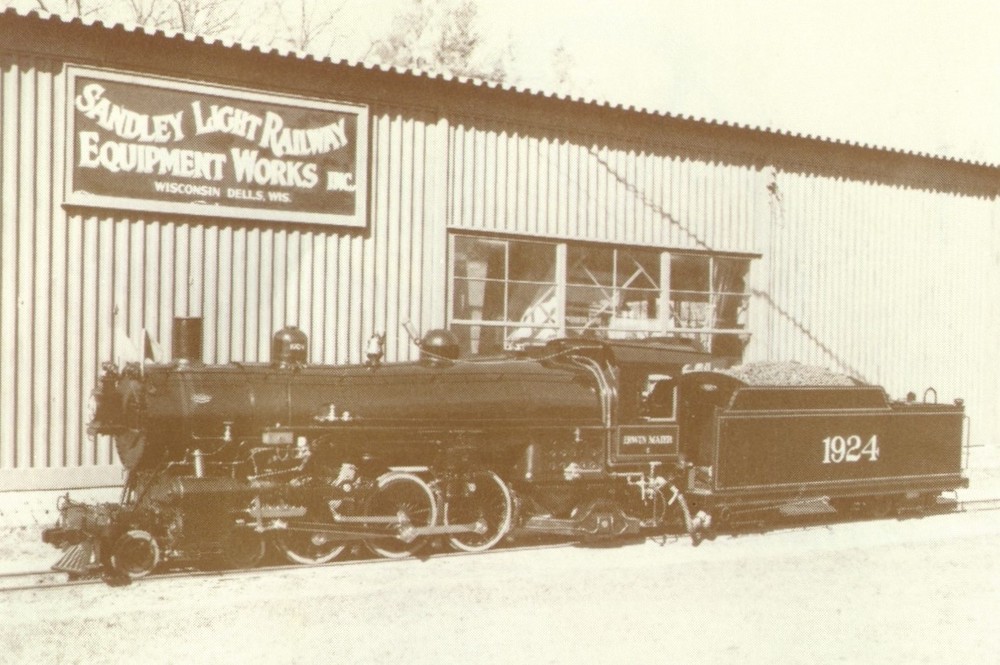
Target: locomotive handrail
point(604, 386)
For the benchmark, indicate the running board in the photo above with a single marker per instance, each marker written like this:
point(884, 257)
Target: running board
point(404, 530)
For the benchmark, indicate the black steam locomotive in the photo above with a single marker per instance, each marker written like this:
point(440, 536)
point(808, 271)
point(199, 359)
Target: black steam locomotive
point(578, 438)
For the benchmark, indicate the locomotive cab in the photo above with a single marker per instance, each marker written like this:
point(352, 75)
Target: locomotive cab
point(647, 424)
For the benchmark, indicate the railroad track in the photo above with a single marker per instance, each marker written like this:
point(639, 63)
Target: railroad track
point(48, 579)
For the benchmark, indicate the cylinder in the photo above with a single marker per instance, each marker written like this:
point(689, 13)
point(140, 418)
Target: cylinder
point(187, 340)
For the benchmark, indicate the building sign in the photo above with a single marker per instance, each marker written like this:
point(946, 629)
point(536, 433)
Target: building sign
point(169, 146)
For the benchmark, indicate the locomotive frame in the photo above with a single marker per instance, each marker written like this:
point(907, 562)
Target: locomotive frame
point(580, 438)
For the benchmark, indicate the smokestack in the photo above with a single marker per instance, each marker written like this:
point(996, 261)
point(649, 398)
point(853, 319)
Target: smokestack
point(187, 340)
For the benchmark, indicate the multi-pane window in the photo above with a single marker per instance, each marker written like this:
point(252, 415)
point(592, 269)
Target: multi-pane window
point(708, 292)
point(504, 293)
point(508, 293)
point(611, 291)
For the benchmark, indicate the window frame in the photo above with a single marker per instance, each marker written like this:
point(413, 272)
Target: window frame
point(664, 323)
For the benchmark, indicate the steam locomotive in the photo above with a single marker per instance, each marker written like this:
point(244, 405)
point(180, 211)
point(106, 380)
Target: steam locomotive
point(580, 438)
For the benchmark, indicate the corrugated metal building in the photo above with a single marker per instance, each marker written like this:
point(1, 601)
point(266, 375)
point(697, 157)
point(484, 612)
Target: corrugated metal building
point(146, 176)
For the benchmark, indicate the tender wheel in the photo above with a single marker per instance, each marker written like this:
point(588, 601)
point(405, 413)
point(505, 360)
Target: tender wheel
point(135, 554)
point(300, 544)
point(411, 499)
point(480, 498)
point(881, 507)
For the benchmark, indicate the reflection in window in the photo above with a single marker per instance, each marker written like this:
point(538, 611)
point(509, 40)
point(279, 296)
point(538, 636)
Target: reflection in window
point(508, 293)
point(708, 292)
point(504, 293)
point(612, 292)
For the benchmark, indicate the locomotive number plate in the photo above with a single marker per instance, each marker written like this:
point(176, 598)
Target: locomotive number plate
point(848, 449)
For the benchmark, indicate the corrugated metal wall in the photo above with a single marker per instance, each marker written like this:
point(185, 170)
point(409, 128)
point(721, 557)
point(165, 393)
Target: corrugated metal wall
point(74, 283)
point(890, 283)
point(565, 185)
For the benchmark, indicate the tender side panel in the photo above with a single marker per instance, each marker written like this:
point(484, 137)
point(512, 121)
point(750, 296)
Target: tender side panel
point(757, 451)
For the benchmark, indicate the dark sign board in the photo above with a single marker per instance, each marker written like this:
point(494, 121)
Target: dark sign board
point(170, 146)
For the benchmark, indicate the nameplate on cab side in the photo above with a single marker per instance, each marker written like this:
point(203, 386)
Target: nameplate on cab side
point(637, 442)
point(647, 439)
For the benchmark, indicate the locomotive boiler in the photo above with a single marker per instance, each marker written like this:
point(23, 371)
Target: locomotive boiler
point(579, 438)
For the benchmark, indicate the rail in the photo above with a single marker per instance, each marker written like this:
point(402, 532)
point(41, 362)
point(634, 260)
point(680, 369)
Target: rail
point(47, 579)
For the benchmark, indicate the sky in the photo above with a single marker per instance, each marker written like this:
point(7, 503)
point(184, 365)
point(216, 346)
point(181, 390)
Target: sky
point(915, 75)
point(919, 75)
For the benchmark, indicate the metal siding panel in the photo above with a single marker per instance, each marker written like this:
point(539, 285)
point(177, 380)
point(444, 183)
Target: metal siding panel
point(254, 332)
point(630, 189)
point(88, 331)
point(195, 269)
point(292, 275)
point(412, 246)
point(489, 183)
point(305, 276)
point(391, 291)
point(345, 285)
point(278, 278)
point(265, 287)
point(436, 239)
point(360, 257)
point(105, 318)
point(373, 310)
point(25, 267)
point(74, 336)
point(332, 300)
point(210, 298)
point(409, 273)
point(8, 261)
point(317, 299)
point(476, 179)
point(229, 277)
point(43, 278)
point(118, 307)
point(59, 301)
point(465, 183)
point(503, 182)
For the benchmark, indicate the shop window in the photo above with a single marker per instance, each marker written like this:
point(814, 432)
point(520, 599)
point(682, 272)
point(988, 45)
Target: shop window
point(612, 292)
point(708, 292)
point(504, 293)
point(507, 294)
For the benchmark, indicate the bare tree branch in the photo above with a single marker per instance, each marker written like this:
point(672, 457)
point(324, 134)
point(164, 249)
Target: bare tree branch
point(306, 25)
point(439, 36)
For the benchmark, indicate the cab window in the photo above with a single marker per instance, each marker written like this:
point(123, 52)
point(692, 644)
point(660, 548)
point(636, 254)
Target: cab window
point(659, 398)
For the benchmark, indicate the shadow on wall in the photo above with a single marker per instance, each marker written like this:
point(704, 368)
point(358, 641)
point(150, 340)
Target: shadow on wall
point(644, 199)
point(808, 334)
